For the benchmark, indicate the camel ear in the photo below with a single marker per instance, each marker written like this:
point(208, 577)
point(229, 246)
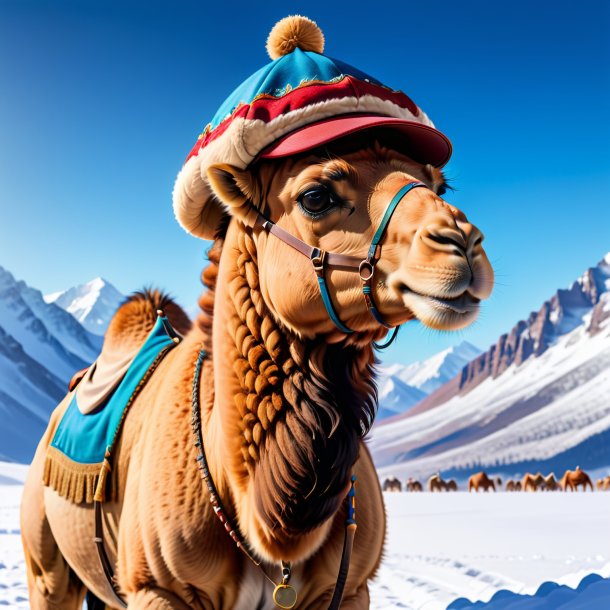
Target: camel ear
point(236, 189)
point(435, 178)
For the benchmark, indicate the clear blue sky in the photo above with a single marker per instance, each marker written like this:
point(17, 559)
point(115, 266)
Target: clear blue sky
point(101, 101)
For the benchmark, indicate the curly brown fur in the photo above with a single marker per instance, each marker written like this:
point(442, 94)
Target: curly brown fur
point(304, 408)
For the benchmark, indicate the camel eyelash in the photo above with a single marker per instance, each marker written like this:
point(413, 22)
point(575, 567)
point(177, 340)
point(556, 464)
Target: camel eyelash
point(334, 201)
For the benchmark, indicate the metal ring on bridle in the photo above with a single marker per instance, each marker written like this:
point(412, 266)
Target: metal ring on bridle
point(366, 266)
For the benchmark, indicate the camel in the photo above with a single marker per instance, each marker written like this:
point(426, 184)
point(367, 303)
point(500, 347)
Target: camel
point(281, 395)
point(436, 483)
point(482, 481)
point(451, 485)
point(412, 485)
point(531, 482)
point(551, 483)
point(513, 485)
point(603, 484)
point(572, 479)
point(392, 484)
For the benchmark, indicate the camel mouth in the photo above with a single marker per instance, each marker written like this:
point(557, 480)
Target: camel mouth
point(464, 304)
point(441, 312)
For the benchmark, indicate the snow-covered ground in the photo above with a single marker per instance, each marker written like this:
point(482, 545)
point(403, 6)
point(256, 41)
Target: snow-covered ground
point(439, 546)
point(444, 546)
point(13, 587)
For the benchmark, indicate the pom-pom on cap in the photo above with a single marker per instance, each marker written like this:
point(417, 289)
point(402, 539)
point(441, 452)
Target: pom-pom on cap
point(300, 100)
point(292, 32)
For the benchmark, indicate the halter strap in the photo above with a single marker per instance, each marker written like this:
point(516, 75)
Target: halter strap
point(321, 259)
point(367, 266)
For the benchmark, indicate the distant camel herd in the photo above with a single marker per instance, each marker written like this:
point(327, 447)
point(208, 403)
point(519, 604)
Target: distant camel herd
point(571, 481)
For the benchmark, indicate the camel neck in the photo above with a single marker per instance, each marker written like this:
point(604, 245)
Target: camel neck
point(292, 412)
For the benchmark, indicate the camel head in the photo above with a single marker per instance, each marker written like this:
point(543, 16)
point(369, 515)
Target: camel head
point(431, 262)
point(320, 149)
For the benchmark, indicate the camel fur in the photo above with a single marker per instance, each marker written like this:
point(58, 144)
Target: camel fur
point(480, 480)
point(573, 479)
point(286, 399)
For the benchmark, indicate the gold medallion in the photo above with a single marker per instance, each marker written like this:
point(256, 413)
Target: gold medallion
point(285, 596)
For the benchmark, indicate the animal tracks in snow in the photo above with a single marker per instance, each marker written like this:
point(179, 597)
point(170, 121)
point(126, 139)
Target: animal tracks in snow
point(431, 582)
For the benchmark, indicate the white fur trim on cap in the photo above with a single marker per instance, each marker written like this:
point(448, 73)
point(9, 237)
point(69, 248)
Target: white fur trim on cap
point(196, 208)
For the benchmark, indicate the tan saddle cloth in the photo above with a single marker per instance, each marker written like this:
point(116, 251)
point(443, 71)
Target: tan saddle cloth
point(102, 378)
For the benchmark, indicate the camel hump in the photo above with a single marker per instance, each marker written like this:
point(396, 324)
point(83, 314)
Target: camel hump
point(135, 318)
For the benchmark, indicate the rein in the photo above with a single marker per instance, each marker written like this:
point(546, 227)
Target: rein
point(284, 595)
point(365, 267)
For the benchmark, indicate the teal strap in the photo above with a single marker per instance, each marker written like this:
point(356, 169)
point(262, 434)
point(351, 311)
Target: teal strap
point(367, 291)
point(380, 346)
point(373, 254)
point(388, 214)
point(329, 306)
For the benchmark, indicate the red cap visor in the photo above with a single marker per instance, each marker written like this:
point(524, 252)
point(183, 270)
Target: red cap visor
point(421, 142)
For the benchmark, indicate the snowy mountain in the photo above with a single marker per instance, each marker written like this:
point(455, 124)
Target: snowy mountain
point(46, 332)
point(41, 347)
point(403, 386)
point(28, 394)
point(396, 397)
point(538, 399)
point(93, 304)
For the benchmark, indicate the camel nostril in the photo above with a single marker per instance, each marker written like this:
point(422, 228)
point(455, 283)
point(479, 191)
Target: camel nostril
point(449, 241)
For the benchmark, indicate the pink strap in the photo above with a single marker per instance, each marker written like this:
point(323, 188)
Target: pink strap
point(332, 259)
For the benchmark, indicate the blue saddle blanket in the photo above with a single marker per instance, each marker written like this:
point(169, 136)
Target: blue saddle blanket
point(81, 449)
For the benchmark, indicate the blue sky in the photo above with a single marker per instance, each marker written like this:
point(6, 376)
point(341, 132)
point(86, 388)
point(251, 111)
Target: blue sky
point(101, 101)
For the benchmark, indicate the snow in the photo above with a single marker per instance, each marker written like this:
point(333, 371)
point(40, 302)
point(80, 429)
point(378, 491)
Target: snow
point(430, 374)
point(45, 331)
point(401, 387)
point(395, 396)
point(13, 583)
point(93, 304)
point(546, 406)
point(439, 547)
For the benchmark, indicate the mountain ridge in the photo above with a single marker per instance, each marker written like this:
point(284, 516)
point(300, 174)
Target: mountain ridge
point(548, 399)
point(93, 304)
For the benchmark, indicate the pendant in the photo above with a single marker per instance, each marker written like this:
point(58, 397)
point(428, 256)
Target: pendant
point(285, 596)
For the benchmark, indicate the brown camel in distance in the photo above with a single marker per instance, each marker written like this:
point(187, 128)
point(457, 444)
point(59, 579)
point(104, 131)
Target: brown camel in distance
point(513, 485)
point(603, 484)
point(436, 483)
point(286, 397)
point(531, 482)
point(573, 479)
point(412, 485)
point(392, 484)
point(480, 480)
point(551, 483)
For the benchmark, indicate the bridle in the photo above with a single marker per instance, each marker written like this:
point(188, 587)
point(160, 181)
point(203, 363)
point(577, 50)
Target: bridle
point(365, 267)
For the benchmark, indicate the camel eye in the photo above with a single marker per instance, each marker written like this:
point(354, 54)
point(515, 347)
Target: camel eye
point(318, 201)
